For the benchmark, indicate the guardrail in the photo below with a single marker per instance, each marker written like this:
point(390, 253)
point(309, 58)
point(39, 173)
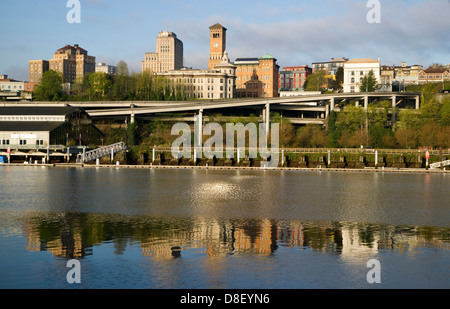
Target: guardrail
point(444, 152)
point(100, 152)
point(440, 164)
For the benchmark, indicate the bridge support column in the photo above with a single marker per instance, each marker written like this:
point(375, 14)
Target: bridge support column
point(332, 103)
point(357, 103)
point(132, 114)
point(394, 101)
point(198, 134)
point(267, 120)
point(366, 102)
point(417, 102)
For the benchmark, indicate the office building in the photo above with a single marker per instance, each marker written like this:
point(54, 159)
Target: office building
point(217, 83)
point(168, 55)
point(257, 77)
point(35, 70)
point(105, 68)
point(293, 78)
point(356, 69)
point(73, 62)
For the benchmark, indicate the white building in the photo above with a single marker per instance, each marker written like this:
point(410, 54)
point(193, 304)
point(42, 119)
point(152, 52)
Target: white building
point(218, 83)
point(103, 67)
point(356, 69)
point(10, 85)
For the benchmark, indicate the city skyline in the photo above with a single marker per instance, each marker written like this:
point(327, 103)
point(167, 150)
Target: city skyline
point(296, 33)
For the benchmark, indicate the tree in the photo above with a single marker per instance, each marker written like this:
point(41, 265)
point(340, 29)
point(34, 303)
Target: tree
point(315, 81)
point(369, 83)
point(99, 85)
point(339, 78)
point(406, 137)
point(122, 87)
point(444, 113)
point(50, 88)
point(122, 68)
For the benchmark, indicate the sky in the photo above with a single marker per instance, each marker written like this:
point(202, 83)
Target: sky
point(295, 32)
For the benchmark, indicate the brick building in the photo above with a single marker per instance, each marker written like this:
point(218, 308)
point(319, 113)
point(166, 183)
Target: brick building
point(293, 78)
point(257, 77)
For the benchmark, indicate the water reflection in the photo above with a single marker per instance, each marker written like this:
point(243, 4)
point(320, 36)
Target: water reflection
point(75, 235)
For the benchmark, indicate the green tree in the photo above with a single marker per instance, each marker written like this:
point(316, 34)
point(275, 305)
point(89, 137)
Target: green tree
point(99, 85)
point(369, 83)
point(339, 78)
point(315, 81)
point(444, 112)
point(50, 88)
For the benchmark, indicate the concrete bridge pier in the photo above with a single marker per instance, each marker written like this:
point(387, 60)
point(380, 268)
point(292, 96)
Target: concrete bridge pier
point(267, 118)
point(417, 102)
point(394, 101)
point(366, 102)
point(132, 114)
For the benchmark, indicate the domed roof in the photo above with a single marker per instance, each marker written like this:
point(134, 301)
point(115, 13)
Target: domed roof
point(266, 56)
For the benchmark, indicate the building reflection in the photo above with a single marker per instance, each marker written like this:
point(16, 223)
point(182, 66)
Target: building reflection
point(69, 235)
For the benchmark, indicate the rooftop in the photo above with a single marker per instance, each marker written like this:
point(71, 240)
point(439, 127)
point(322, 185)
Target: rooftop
point(31, 111)
point(363, 60)
point(435, 70)
point(36, 126)
point(266, 57)
point(217, 26)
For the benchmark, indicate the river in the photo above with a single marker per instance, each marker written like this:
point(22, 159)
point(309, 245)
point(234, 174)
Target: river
point(223, 229)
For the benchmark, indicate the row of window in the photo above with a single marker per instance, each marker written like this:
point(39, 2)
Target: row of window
point(433, 76)
point(22, 142)
point(20, 87)
point(32, 118)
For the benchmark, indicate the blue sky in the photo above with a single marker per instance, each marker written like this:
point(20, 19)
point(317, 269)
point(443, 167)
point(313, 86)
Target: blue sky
point(296, 32)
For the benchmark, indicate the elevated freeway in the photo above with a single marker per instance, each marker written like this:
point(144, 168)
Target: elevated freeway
point(301, 109)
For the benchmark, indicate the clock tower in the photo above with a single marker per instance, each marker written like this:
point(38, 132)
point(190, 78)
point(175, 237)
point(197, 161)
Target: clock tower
point(217, 44)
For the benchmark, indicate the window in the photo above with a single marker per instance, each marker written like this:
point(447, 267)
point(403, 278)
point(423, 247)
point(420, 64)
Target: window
point(22, 142)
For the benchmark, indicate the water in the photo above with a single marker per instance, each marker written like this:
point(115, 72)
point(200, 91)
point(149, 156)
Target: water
point(222, 229)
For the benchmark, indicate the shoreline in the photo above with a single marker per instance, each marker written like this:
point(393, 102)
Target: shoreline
point(299, 169)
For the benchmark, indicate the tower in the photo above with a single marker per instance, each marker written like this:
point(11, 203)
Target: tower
point(217, 44)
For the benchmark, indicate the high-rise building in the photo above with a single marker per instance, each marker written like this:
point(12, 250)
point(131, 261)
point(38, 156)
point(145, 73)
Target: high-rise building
point(217, 44)
point(35, 70)
point(71, 61)
point(257, 77)
point(168, 55)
